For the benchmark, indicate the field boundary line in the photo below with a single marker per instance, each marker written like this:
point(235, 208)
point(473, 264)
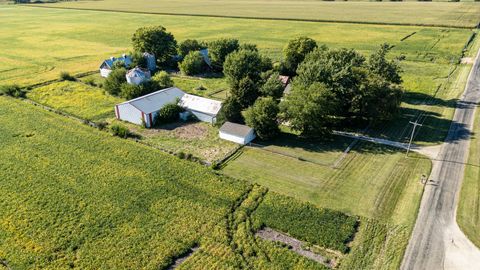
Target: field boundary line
point(256, 18)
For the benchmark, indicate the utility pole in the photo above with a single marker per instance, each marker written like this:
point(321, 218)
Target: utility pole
point(415, 124)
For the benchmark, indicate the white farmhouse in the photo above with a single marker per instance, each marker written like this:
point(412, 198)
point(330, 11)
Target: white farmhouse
point(107, 65)
point(237, 133)
point(138, 75)
point(145, 108)
point(204, 109)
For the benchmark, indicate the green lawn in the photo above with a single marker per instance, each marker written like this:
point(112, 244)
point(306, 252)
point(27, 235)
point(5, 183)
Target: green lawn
point(451, 14)
point(78, 99)
point(193, 85)
point(468, 213)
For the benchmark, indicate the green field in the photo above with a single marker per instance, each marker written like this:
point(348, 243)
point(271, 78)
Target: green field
point(90, 200)
point(450, 14)
point(81, 45)
point(78, 99)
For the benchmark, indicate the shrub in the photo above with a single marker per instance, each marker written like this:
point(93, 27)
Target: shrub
point(65, 76)
point(163, 80)
point(168, 114)
point(115, 80)
point(231, 111)
point(192, 64)
point(101, 125)
point(130, 91)
point(90, 81)
point(12, 90)
point(120, 131)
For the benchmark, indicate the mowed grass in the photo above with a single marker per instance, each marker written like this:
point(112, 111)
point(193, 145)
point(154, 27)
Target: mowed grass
point(373, 181)
point(81, 45)
point(73, 196)
point(199, 86)
point(446, 14)
point(78, 99)
point(468, 213)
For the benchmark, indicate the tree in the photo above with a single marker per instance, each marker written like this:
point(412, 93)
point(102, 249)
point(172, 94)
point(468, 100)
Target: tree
point(156, 40)
point(273, 87)
point(378, 100)
point(192, 64)
point(138, 60)
point(262, 117)
point(189, 45)
point(242, 64)
point(219, 49)
point(378, 64)
point(163, 80)
point(231, 111)
point(246, 92)
point(342, 71)
point(248, 47)
point(130, 91)
point(295, 51)
point(309, 109)
point(114, 81)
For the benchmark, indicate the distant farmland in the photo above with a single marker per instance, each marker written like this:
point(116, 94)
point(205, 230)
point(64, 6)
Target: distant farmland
point(418, 13)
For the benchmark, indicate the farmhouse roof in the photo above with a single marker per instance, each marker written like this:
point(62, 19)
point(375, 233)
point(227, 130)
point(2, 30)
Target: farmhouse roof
point(156, 100)
point(200, 104)
point(138, 72)
point(108, 63)
point(288, 89)
point(235, 129)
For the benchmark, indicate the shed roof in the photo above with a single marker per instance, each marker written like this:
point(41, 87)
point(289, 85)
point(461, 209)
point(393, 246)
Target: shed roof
point(156, 100)
point(236, 129)
point(284, 79)
point(200, 104)
point(205, 56)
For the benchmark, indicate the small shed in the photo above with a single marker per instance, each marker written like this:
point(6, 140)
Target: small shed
point(237, 133)
point(138, 75)
point(145, 108)
point(107, 65)
point(204, 109)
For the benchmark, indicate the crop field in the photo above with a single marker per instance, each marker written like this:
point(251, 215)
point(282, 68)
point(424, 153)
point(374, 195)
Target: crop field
point(81, 45)
point(91, 200)
point(78, 99)
point(446, 14)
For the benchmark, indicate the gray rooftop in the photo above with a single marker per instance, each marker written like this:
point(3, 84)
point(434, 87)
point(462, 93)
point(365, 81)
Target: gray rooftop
point(235, 129)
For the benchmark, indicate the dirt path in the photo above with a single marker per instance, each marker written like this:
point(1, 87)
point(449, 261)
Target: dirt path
point(296, 245)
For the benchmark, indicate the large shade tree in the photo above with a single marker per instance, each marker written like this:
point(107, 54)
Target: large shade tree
point(156, 40)
point(295, 52)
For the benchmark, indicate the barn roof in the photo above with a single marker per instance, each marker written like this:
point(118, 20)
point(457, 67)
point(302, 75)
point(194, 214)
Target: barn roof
point(205, 56)
point(235, 129)
point(156, 100)
point(200, 104)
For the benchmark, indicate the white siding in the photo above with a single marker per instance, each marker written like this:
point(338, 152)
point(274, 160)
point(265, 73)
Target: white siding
point(104, 72)
point(129, 113)
point(237, 139)
point(204, 117)
point(135, 80)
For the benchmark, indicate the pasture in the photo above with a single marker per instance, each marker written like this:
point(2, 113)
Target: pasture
point(90, 200)
point(458, 14)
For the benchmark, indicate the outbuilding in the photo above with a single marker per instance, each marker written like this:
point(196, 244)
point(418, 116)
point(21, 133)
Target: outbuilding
point(237, 133)
point(204, 109)
point(144, 109)
point(138, 75)
point(107, 65)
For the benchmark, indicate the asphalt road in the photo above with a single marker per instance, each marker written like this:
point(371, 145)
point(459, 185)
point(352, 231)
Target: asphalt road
point(436, 241)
